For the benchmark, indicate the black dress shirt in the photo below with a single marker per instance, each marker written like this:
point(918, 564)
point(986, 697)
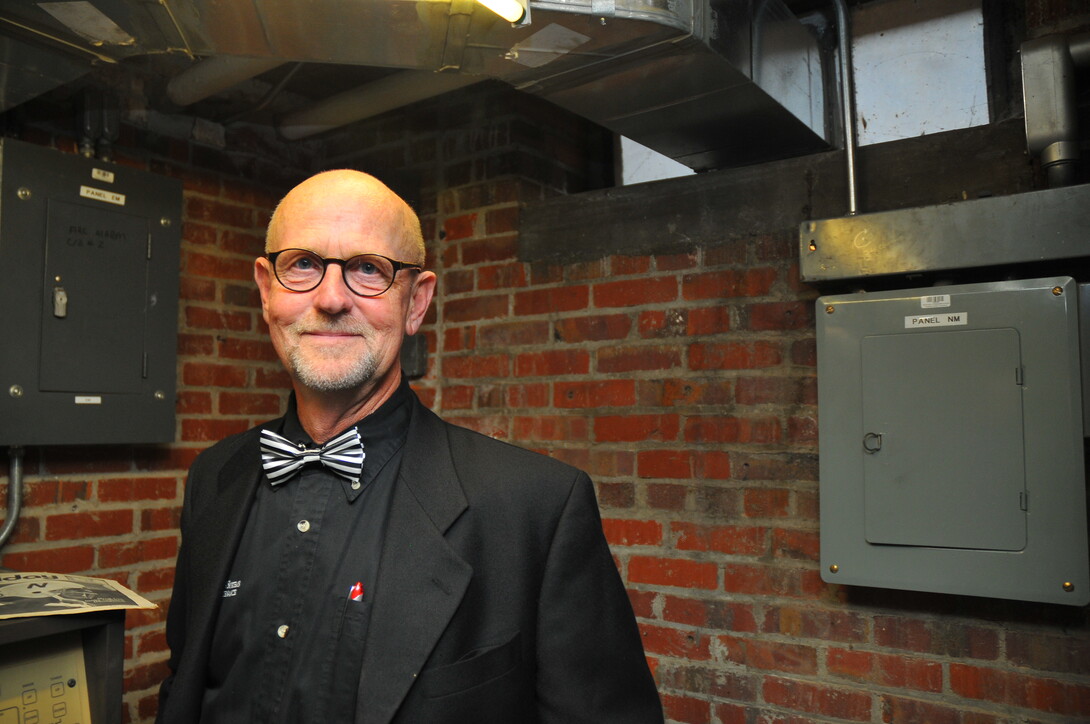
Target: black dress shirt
point(289, 637)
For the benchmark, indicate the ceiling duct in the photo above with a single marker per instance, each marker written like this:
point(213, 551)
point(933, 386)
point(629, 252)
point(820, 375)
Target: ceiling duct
point(711, 83)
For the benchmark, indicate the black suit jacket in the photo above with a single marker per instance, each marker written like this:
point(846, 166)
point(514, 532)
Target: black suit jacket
point(497, 598)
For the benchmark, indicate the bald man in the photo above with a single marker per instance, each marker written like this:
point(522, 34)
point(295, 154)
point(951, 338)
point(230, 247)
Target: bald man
point(360, 560)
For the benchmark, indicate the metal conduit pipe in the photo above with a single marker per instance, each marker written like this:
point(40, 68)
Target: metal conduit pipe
point(215, 74)
point(385, 94)
point(15, 493)
point(267, 99)
point(847, 106)
point(1048, 91)
point(1079, 47)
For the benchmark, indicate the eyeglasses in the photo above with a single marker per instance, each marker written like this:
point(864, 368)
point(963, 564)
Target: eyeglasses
point(366, 275)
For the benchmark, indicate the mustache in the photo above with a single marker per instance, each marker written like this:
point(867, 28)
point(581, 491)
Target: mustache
point(330, 326)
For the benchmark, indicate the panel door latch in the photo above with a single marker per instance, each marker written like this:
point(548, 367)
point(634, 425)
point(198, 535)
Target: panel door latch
point(60, 303)
point(872, 442)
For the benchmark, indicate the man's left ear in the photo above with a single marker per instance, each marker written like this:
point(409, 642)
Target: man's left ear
point(419, 300)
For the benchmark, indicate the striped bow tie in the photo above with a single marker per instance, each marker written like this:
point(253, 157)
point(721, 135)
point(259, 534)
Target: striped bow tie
point(281, 458)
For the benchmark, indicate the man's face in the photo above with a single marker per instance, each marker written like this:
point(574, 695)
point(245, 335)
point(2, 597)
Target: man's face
point(329, 338)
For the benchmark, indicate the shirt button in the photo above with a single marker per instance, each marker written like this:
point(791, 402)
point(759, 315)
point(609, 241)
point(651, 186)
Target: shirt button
point(303, 526)
point(356, 485)
point(282, 631)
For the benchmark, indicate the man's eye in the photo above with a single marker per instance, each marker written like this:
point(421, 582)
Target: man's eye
point(305, 264)
point(368, 268)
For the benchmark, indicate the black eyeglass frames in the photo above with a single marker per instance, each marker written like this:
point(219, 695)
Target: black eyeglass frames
point(366, 275)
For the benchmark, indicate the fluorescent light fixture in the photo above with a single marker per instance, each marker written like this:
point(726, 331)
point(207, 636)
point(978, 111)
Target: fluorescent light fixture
point(510, 10)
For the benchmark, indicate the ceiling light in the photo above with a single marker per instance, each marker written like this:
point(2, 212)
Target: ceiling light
point(512, 11)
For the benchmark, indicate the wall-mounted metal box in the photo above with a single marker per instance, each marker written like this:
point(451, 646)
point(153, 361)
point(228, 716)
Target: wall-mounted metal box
point(90, 289)
point(951, 440)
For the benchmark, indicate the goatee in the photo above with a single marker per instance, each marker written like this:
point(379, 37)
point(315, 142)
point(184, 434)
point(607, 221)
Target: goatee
point(306, 366)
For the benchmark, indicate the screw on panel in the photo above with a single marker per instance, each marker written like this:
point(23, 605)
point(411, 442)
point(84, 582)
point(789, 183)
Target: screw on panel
point(830, 309)
point(834, 568)
point(15, 391)
point(23, 193)
point(1057, 291)
point(164, 221)
point(1069, 586)
point(160, 395)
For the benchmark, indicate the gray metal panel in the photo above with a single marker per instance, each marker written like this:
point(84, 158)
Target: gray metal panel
point(1054, 565)
point(35, 183)
point(948, 408)
point(98, 259)
point(1033, 226)
point(1084, 336)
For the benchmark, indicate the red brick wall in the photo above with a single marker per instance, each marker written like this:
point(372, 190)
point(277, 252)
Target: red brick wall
point(684, 383)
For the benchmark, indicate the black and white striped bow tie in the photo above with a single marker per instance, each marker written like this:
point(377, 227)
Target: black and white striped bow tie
point(281, 458)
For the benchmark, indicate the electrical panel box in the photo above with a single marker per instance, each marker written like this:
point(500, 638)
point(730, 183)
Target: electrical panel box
point(91, 297)
point(951, 440)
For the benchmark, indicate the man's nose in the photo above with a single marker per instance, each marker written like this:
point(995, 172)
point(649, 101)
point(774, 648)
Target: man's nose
point(333, 295)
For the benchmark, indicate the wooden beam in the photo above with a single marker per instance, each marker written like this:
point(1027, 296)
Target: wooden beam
point(718, 207)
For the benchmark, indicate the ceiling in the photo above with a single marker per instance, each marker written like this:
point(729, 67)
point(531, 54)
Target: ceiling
point(711, 83)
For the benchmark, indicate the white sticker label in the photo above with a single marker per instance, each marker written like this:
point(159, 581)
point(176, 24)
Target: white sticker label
point(935, 301)
point(101, 174)
point(89, 192)
point(946, 319)
point(88, 400)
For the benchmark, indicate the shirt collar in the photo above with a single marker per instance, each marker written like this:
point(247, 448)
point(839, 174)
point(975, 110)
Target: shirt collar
point(380, 423)
point(383, 433)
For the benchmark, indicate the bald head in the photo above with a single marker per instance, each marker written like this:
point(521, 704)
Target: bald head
point(353, 195)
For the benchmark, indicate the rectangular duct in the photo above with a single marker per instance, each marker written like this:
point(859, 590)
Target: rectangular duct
point(744, 85)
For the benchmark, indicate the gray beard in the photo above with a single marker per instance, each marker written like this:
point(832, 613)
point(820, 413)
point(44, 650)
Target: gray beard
point(361, 372)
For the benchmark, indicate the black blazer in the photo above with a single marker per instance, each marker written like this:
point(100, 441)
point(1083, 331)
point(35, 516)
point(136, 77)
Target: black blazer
point(497, 598)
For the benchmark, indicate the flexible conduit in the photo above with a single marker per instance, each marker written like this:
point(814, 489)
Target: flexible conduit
point(15, 493)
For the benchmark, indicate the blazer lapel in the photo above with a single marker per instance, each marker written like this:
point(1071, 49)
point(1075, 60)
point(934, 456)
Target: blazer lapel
point(421, 580)
point(216, 531)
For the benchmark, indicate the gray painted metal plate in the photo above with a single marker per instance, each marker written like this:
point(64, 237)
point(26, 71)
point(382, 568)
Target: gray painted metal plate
point(977, 392)
point(1034, 226)
point(948, 407)
point(96, 258)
